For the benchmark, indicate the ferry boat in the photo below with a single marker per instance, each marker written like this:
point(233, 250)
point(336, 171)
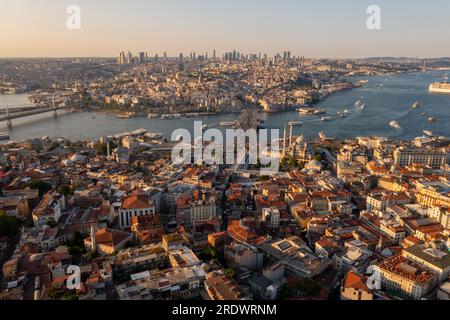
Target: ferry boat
point(4, 136)
point(228, 123)
point(123, 116)
point(306, 110)
point(440, 87)
point(154, 135)
point(319, 112)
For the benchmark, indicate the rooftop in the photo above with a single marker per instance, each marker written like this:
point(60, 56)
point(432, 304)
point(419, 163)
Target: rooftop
point(407, 269)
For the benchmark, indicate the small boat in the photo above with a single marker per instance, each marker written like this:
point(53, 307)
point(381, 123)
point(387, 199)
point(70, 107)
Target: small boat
point(326, 119)
point(431, 119)
point(4, 136)
point(359, 104)
point(205, 127)
point(394, 125)
point(319, 112)
point(416, 105)
point(428, 133)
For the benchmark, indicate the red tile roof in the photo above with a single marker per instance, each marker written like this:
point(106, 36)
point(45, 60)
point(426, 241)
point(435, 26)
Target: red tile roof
point(355, 281)
point(136, 202)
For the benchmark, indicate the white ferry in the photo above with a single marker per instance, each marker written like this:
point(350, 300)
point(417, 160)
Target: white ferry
point(228, 123)
point(4, 136)
point(306, 110)
point(440, 87)
point(123, 116)
point(154, 135)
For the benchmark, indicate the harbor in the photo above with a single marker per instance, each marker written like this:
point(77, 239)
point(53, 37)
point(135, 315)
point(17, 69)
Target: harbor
point(403, 98)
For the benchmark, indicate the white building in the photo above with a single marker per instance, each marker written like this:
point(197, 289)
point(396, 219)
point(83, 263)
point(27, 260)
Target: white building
point(434, 158)
point(272, 217)
point(134, 206)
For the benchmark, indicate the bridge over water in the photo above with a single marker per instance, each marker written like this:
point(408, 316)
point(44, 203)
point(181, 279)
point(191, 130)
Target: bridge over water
point(8, 115)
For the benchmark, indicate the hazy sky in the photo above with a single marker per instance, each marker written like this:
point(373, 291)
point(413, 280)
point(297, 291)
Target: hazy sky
point(325, 28)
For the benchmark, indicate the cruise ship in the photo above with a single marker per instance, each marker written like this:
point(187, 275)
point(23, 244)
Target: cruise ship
point(440, 87)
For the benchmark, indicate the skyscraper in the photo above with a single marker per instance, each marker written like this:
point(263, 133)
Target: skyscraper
point(142, 57)
point(129, 58)
point(121, 58)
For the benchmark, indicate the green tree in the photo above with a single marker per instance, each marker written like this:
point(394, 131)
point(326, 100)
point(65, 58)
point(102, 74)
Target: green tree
point(91, 255)
point(76, 245)
point(230, 273)
point(64, 190)
point(102, 149)
point(289, 164)
point(9, 225)
point(42, 186)
point(51, 222)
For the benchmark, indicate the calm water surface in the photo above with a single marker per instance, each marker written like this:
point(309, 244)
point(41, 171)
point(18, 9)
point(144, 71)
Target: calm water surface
point(387, 98)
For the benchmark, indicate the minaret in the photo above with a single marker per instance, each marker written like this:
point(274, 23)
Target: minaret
point(55, 114)
point(380, 244)
point(9, 122)
point(108, 148)
point(93, 240)
point(290, 136)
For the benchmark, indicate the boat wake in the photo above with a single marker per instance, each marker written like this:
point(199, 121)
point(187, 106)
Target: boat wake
point(396, 126)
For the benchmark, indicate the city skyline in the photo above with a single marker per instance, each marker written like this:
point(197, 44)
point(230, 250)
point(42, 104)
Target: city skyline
point(328, 30)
